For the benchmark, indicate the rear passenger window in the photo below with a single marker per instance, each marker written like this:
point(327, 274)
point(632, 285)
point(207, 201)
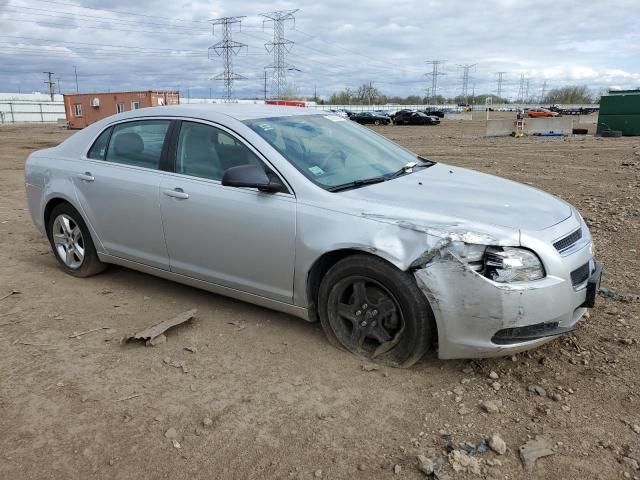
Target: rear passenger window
point(99, 147)
point(138, 143)
point(206, 152)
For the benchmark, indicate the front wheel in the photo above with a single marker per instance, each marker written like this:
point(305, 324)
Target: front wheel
point(370, 308)
point(71, 242)
point(377, 122)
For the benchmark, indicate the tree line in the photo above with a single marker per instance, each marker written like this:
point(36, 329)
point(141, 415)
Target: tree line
point(369, 94)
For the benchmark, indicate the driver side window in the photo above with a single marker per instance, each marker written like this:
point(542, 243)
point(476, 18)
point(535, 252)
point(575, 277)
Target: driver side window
point(206, 152)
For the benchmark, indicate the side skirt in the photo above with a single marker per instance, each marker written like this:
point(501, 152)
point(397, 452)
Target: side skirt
point(294, 310)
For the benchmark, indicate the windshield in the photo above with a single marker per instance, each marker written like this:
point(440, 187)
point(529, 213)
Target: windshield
point(331, 150)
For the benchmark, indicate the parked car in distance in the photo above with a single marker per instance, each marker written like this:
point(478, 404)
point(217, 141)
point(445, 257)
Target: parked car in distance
point(435, 113)
point(540, 113)
point(415, 118)
point(310, 214)
point(342, 113)
point(395, 114)
point(370, 118)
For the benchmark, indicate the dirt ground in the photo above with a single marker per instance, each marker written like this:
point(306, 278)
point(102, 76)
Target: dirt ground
point(280, 402)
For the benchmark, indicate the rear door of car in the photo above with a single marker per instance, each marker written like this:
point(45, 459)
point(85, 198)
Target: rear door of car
point(118, 187)
point(239, 238)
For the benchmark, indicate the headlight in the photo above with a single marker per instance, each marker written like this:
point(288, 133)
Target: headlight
point(510, 264)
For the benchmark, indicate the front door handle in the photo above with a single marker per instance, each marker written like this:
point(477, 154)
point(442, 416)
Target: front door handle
point(176, 193)
point(86, 177)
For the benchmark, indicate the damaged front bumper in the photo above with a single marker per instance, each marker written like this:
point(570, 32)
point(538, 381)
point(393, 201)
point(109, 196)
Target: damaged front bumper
point(477, 317)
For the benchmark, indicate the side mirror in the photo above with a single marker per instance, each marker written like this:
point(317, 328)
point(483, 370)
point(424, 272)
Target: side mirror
point(251, 176)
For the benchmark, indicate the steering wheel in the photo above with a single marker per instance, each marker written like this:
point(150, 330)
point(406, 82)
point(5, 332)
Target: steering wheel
point(328, 162)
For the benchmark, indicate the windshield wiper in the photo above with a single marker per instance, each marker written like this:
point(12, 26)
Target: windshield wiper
point(408, 168)
point(356, 184)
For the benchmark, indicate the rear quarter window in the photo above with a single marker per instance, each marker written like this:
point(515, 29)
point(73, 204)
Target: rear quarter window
point(99, 148)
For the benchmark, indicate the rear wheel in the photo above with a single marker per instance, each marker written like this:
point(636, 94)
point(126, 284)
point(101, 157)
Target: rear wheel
point(71, 242)
point(370, 308)
point(377, 122)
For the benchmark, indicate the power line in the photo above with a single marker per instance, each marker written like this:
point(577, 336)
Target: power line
point(227, 48)
point(279, 46)
point(521, 89)
point(500, 80)
point(127, 47)
point(30, 11)
point(118, 12)
point(465, 79)
point(435, 73)
point(97, 27)
point(544, 91)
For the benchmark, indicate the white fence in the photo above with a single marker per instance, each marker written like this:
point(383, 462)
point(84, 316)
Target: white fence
point(25, 111)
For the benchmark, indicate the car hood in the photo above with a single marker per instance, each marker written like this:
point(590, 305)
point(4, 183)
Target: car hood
point(444, 191)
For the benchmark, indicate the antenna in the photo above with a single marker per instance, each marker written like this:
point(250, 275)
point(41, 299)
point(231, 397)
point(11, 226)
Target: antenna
point(279, 47)
point(227, 48)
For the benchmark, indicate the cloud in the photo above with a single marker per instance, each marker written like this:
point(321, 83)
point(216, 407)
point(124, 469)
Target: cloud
point(122, 45)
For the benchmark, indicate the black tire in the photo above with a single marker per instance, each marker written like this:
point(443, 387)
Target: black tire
point(376, 122)
point(580, 131)
point(405, 317)
point(90, 264)
point(611, 133)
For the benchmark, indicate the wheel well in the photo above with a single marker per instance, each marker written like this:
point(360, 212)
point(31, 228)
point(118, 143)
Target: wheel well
point(318, 270)
point(53, 203)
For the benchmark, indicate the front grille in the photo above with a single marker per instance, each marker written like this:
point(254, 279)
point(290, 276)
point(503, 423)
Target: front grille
point(569, 240)
point(510, 336)
point(580, 275)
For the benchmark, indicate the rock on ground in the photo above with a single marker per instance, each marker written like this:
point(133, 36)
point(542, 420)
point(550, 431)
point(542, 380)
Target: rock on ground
point(497, 444)
point(533, 450)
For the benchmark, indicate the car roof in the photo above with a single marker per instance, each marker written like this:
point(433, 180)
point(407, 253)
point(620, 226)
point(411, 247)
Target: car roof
point(239, 112)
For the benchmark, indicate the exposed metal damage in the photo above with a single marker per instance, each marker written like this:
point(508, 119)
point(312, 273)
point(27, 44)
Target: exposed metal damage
point(469, 307)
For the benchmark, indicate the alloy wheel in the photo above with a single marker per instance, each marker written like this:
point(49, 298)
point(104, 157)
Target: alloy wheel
point(68, 241)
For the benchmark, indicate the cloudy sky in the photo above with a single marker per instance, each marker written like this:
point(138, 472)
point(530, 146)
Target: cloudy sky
point(126, 45)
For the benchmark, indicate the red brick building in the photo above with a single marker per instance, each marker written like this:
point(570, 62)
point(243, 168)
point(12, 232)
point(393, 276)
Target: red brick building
point(83, 109)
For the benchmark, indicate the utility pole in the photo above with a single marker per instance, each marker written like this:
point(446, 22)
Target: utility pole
point(500, 80)
point(526, 89)
point(75, 71)
point(51, 83)
point(465, 80)
point(435, 73)
point(227, 48)
point(279, 47)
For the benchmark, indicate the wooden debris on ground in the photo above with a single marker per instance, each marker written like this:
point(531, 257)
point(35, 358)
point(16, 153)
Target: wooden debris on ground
point(154, 335)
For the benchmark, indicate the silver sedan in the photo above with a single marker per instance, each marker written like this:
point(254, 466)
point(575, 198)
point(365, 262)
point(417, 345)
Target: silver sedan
point(313, 215)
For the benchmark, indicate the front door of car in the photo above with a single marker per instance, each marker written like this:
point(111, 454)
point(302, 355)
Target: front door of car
point(117, 186)
point(240, 238)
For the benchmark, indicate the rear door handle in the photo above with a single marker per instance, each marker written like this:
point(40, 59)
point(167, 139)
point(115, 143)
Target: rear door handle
point(86, 176)
point(176, 193)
